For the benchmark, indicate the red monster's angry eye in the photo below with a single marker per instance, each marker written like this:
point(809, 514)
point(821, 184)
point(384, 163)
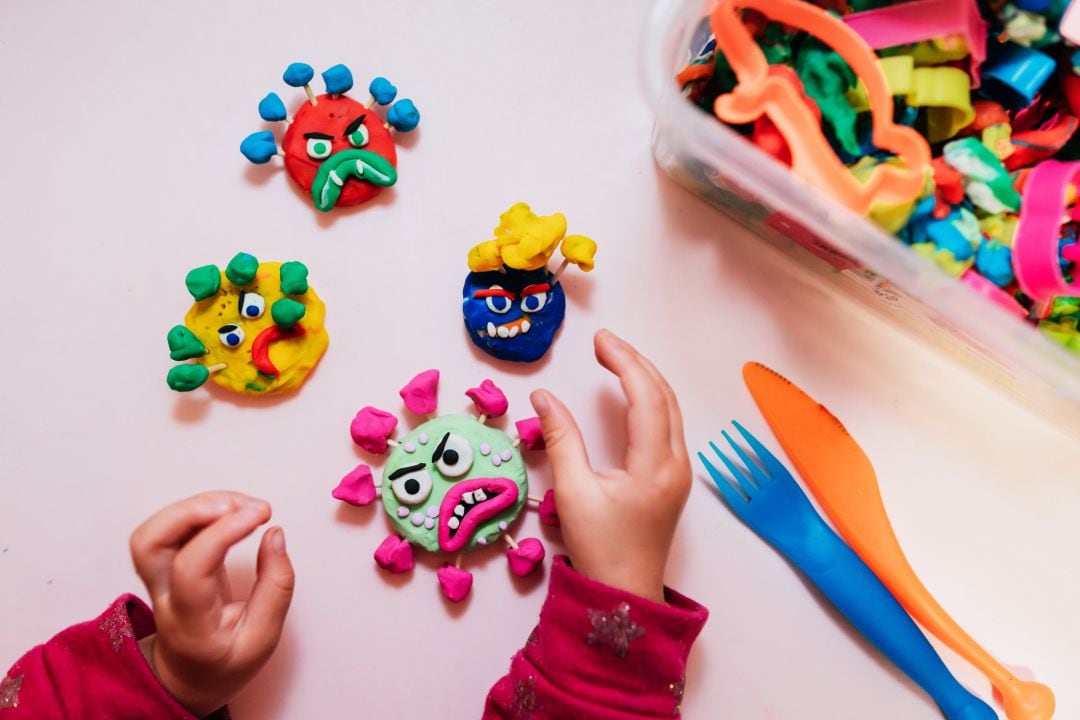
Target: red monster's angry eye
point(319, 133)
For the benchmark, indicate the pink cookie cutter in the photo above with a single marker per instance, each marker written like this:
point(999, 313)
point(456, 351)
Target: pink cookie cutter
point(1035, 248)
point(921, 20)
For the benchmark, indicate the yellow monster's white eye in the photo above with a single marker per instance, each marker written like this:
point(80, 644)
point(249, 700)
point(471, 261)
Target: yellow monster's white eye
point(319, 146)
point(252, 305)
point(411, 484)
point(454, 455)
point(231, 336)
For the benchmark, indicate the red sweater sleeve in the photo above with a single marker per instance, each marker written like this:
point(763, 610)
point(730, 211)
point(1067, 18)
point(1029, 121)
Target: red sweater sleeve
point(94, 670)
point(599, 653)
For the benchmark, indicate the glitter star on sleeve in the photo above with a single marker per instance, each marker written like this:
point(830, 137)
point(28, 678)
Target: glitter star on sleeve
point(117, 626)
point(9, 692)
point(614, 628)
point(524, 703)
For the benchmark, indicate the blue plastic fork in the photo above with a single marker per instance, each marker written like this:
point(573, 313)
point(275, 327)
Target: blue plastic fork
point(766, 497)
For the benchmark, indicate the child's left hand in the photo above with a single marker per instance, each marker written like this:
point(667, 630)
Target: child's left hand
point(208, 646)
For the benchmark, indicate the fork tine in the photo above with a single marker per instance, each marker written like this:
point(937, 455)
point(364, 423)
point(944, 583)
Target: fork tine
point(771, 462)
point(745, 484)
point(759, 476)
point(731, 495)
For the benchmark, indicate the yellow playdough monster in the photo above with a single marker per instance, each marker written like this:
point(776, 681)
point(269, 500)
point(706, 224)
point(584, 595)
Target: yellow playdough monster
point(255, 328)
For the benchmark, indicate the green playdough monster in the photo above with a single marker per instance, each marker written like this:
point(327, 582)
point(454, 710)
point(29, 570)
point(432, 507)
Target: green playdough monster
point(450, 485)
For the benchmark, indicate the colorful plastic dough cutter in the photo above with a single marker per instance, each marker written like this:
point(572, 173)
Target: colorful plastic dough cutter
point(760, 93)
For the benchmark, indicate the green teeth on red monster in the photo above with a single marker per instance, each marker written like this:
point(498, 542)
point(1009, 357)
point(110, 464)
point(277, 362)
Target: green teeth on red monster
point(337, 169)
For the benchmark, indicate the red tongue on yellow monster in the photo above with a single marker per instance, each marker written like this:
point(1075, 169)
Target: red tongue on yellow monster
point(260, 348)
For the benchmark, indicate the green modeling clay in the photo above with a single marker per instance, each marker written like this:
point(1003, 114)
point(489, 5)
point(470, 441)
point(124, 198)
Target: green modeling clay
point(202, 282)
point(184, 345)
point(185, 378)
point(826, 78)
point(286, 312)
point(294, 278)
point(242, 268)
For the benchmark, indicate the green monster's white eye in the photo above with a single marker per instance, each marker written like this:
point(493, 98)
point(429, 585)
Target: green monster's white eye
point(411, 484)
point(359, 137)
point(252, 305)
point(454, 455)
point(231, 336)
point(319, 146)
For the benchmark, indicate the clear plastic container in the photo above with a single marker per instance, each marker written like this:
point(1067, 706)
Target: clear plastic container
point(845, 250)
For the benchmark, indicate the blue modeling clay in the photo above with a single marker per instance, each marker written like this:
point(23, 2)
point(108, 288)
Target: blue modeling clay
point(947, 236)
point(915, 230)
point(994, 262)
point(271, 108)
point(259, 147)
point(1040, 7)
point(338, 80)
point(403, 116)
point(507, 324)
point(1014, 74)
point(298, 74)
point(382, 90)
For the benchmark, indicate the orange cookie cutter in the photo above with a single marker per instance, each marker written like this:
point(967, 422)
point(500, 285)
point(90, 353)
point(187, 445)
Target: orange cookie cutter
point(759, 93)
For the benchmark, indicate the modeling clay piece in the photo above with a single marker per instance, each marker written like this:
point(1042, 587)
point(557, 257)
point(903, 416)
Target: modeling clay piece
point(512, 303)
point(450, 485)
point(231, 337)
point(336, 148)
point(759, 93)
point(1014, 74)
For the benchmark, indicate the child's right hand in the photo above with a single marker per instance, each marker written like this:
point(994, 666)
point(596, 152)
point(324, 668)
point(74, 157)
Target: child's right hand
point(618, 524)
point(207, 645)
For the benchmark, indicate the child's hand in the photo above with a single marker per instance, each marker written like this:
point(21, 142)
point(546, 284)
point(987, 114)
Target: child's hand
point(208, 646)
point(618, 524)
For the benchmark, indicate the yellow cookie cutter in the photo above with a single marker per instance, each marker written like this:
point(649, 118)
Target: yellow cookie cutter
point(945, 91)
point(812, 158)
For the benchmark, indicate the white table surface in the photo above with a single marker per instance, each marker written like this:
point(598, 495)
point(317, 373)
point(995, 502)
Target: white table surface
point(120, 124)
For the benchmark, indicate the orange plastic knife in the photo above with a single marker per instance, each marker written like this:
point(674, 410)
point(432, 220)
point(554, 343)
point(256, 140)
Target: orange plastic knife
point(842, 479)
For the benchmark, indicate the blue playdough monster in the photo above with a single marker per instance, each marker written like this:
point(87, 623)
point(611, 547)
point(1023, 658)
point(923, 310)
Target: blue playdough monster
point(512, 303)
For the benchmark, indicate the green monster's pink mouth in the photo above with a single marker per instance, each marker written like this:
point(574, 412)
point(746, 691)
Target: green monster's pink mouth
point(469, 504)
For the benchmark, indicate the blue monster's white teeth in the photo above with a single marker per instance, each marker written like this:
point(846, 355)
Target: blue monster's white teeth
point(509, 330)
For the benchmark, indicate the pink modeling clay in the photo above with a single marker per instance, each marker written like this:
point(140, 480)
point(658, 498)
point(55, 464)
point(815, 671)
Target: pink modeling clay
point(395, 555)
point(549, 514)
point(372, 428)
point(421, 395)
point(525, 557)
point(489, 399)
point(455, 582)
point(532, 437)
point(356, 488)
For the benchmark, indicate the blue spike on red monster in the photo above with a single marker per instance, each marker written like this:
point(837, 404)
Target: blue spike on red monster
point(339, 150)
